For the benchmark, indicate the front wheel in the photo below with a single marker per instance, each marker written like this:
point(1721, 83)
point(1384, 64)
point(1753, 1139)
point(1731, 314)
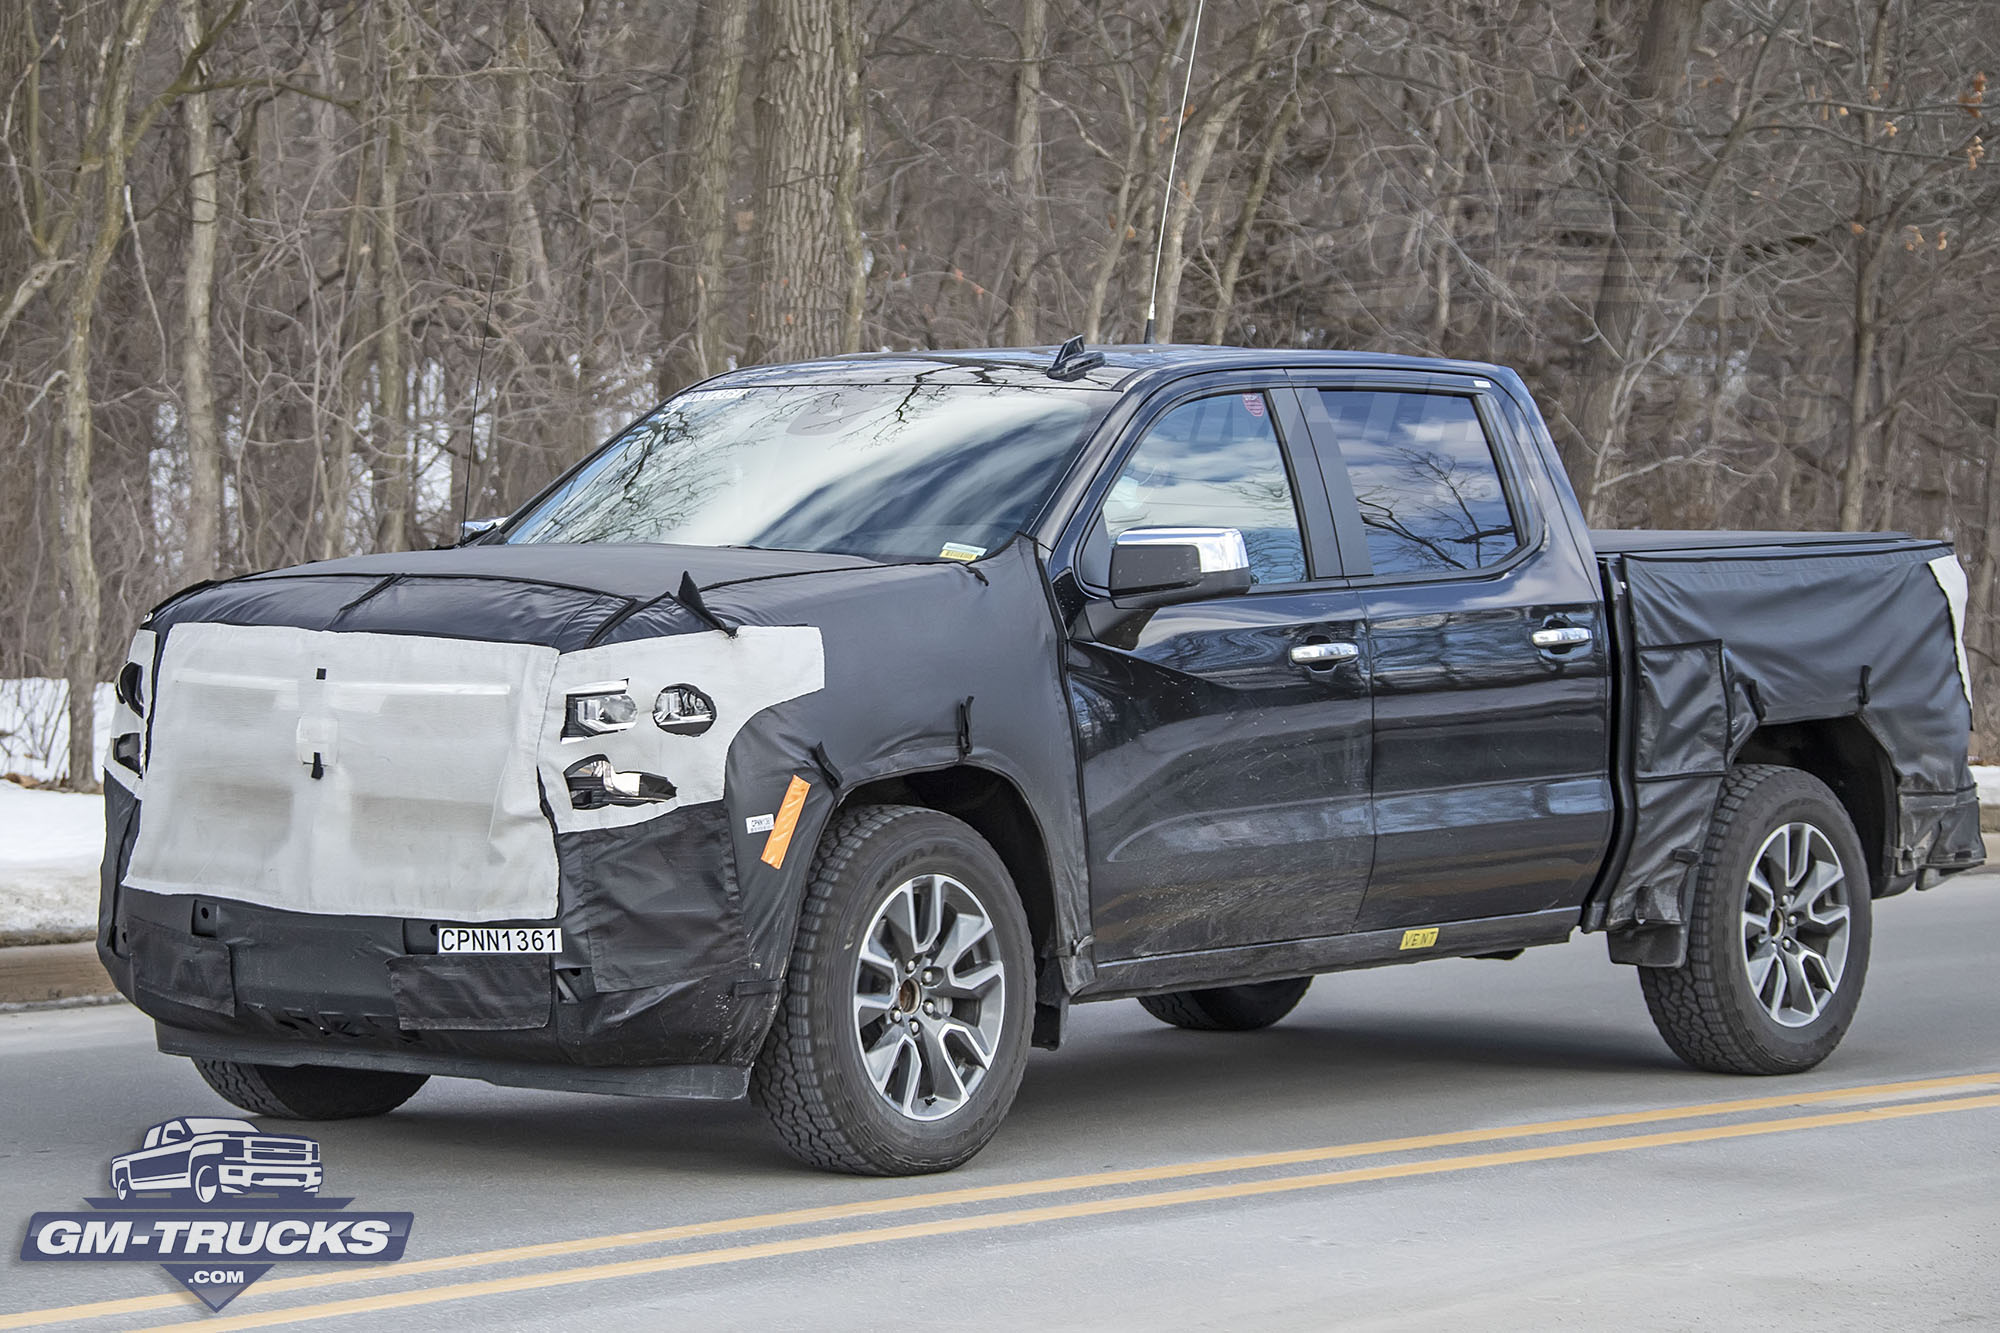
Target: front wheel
point(902, 1033)
point(1778, 932)
point(207, 1185)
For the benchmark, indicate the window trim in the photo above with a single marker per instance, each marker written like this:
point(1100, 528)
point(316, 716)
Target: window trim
point(1297, 446)
point(1500, 440)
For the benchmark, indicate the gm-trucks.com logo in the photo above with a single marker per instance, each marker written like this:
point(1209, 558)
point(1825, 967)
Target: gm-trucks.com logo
point(217, 1203)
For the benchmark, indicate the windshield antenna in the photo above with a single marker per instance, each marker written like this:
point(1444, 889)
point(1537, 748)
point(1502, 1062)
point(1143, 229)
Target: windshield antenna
point(1173, 160)
point(472, 426)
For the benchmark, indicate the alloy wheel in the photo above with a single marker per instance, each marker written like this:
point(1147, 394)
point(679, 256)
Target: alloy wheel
point(1795, 924)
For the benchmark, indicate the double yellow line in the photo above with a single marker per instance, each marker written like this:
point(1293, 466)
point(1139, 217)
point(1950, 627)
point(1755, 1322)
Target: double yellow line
point(1094, 1207)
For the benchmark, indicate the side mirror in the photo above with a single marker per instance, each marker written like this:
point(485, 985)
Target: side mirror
point(1161, 566)
point(473, 529)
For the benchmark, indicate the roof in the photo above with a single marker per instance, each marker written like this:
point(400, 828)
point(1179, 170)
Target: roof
point(1123, 364)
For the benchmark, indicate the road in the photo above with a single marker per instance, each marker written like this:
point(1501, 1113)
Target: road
point(1545, 1172)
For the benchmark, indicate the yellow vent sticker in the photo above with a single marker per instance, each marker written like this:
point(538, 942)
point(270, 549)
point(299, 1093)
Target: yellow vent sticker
point(780, 840)
point(1413, 939)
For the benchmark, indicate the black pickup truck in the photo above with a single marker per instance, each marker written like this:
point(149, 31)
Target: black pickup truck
point(836, 725)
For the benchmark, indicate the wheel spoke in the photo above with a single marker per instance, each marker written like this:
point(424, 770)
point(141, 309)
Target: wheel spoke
point(929, 953)
point(1800, 997)
point(1761, 963)
point(1795, 921)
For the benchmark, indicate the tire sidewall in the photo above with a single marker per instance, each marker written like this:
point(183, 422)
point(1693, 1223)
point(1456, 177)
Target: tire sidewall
point(919, 844)
point(1785, 799)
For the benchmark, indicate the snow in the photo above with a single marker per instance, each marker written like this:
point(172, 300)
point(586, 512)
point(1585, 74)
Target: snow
point(1988, 778)
point(50, 846)
point(34, 726)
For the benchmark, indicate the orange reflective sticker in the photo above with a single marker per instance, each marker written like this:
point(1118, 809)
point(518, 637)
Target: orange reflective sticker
point(780, 840)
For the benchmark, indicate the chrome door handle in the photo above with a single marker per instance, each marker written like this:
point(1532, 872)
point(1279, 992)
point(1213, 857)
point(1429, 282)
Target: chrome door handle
point(1324, 654)
point(1561, 636)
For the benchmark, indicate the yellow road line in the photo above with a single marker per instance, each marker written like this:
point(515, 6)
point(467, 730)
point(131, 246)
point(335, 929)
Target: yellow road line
point(1011, 1190)
point(1069, 1211)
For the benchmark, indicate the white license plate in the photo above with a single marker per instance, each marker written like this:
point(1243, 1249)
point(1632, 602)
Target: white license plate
point(499, 939)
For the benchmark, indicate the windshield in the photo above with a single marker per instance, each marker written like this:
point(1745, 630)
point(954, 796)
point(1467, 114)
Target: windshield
point(887, 471)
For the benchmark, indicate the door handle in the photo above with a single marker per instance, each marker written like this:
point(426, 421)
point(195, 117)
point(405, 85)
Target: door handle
point(1558, 637)
point(1324, 654)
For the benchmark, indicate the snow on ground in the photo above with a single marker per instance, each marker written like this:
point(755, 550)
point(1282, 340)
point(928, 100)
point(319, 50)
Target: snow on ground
point(1988, 778)
point(34, 726)
point(50, 845)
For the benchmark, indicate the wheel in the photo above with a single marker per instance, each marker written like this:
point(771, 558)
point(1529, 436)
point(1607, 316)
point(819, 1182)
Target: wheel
point(309, 1092)
point(902, 1032)
point(121, 1183)
point(1228, 1008)
point(1778, 932)
point(207, 1185)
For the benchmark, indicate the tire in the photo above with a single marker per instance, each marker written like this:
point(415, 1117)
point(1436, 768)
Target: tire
point(1728, 1010)
point(309, 1092)
point(928, 1106)
point(207, 1185)
point(121, 1184)
point(1228, 1008)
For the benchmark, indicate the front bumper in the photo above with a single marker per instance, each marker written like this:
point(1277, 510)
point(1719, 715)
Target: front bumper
point(270, 1176)
point(641, 986)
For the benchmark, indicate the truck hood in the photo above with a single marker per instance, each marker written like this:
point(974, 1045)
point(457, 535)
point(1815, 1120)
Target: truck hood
point(561, 596)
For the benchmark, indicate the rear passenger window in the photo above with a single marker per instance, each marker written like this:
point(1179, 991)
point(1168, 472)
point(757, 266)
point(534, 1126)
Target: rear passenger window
point(1214, 463)
point(1424, 475)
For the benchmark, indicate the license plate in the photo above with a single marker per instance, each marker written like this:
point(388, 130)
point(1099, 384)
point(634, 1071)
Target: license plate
point(499, 939)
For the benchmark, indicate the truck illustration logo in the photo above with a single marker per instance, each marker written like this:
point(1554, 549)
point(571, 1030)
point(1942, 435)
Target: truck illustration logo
point(206, 1158)
point(217, 1203)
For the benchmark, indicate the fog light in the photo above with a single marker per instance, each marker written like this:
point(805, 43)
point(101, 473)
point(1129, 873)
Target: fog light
point(594, 783)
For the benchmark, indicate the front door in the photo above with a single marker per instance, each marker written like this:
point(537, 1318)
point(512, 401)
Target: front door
point(1488, 653)
point(1225, 783)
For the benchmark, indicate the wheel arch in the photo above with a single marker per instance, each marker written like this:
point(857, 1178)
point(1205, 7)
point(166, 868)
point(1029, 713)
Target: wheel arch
point(1842, 753)
point(995, 808)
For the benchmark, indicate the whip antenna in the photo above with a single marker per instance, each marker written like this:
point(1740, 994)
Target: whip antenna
point(472, 426)
point(1173, 160)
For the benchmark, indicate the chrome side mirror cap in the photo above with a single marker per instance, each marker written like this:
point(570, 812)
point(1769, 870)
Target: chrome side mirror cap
point(1161, 566)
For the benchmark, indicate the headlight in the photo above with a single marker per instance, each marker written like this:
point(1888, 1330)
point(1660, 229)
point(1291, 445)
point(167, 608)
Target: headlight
point(597, 710)
point(683, 710)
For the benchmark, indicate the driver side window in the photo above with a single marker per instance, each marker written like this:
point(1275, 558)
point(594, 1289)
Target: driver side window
point(1212, 463)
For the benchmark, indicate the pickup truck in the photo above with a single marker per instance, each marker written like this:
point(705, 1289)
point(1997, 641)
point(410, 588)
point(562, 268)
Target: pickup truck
point(833, 728)
point(207, 1157)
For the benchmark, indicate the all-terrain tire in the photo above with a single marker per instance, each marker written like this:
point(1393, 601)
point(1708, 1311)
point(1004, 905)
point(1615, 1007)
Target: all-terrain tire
point(810, 1078)
point(1228, 1008)
point(309, 1092)
point(1708, 1009)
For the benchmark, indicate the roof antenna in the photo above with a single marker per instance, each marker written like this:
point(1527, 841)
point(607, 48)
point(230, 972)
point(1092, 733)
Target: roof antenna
point(1173, 160)
point(472, 426)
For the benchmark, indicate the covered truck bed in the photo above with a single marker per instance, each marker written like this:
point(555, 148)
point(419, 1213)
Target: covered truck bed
point(1845, 644)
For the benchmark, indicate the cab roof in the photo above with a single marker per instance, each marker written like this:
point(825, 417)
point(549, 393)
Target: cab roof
point(1125, 366)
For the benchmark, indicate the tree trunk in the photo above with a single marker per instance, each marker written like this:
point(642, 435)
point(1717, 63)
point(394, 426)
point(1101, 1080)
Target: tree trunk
point(391, 427)
point(1246, 220)
point(1871, 243)
point(204, 444)
point(81, 594)
point(693, 333)
point(801, 305)
point(1024, 177)
point(1643, 235)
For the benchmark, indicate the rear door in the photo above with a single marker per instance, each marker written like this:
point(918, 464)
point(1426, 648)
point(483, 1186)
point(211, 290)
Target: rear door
point(1487, 652)
point(1225, 782)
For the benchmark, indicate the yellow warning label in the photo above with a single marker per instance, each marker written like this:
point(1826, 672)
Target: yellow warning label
point(1419, 939)
point(788, 820)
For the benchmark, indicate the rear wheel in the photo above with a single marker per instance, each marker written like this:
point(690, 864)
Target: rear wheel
point(903, 1031)
point(1228, 1008)
point(1778, 932)
point(310, 1092)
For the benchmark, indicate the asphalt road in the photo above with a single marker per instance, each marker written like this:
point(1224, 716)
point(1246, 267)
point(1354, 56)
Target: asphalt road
point(1551, 1167)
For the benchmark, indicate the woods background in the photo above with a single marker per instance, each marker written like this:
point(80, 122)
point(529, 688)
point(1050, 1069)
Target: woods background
point(279, 277)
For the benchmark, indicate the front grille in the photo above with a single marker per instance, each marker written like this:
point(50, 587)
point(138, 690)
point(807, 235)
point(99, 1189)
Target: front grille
point(360, 774)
